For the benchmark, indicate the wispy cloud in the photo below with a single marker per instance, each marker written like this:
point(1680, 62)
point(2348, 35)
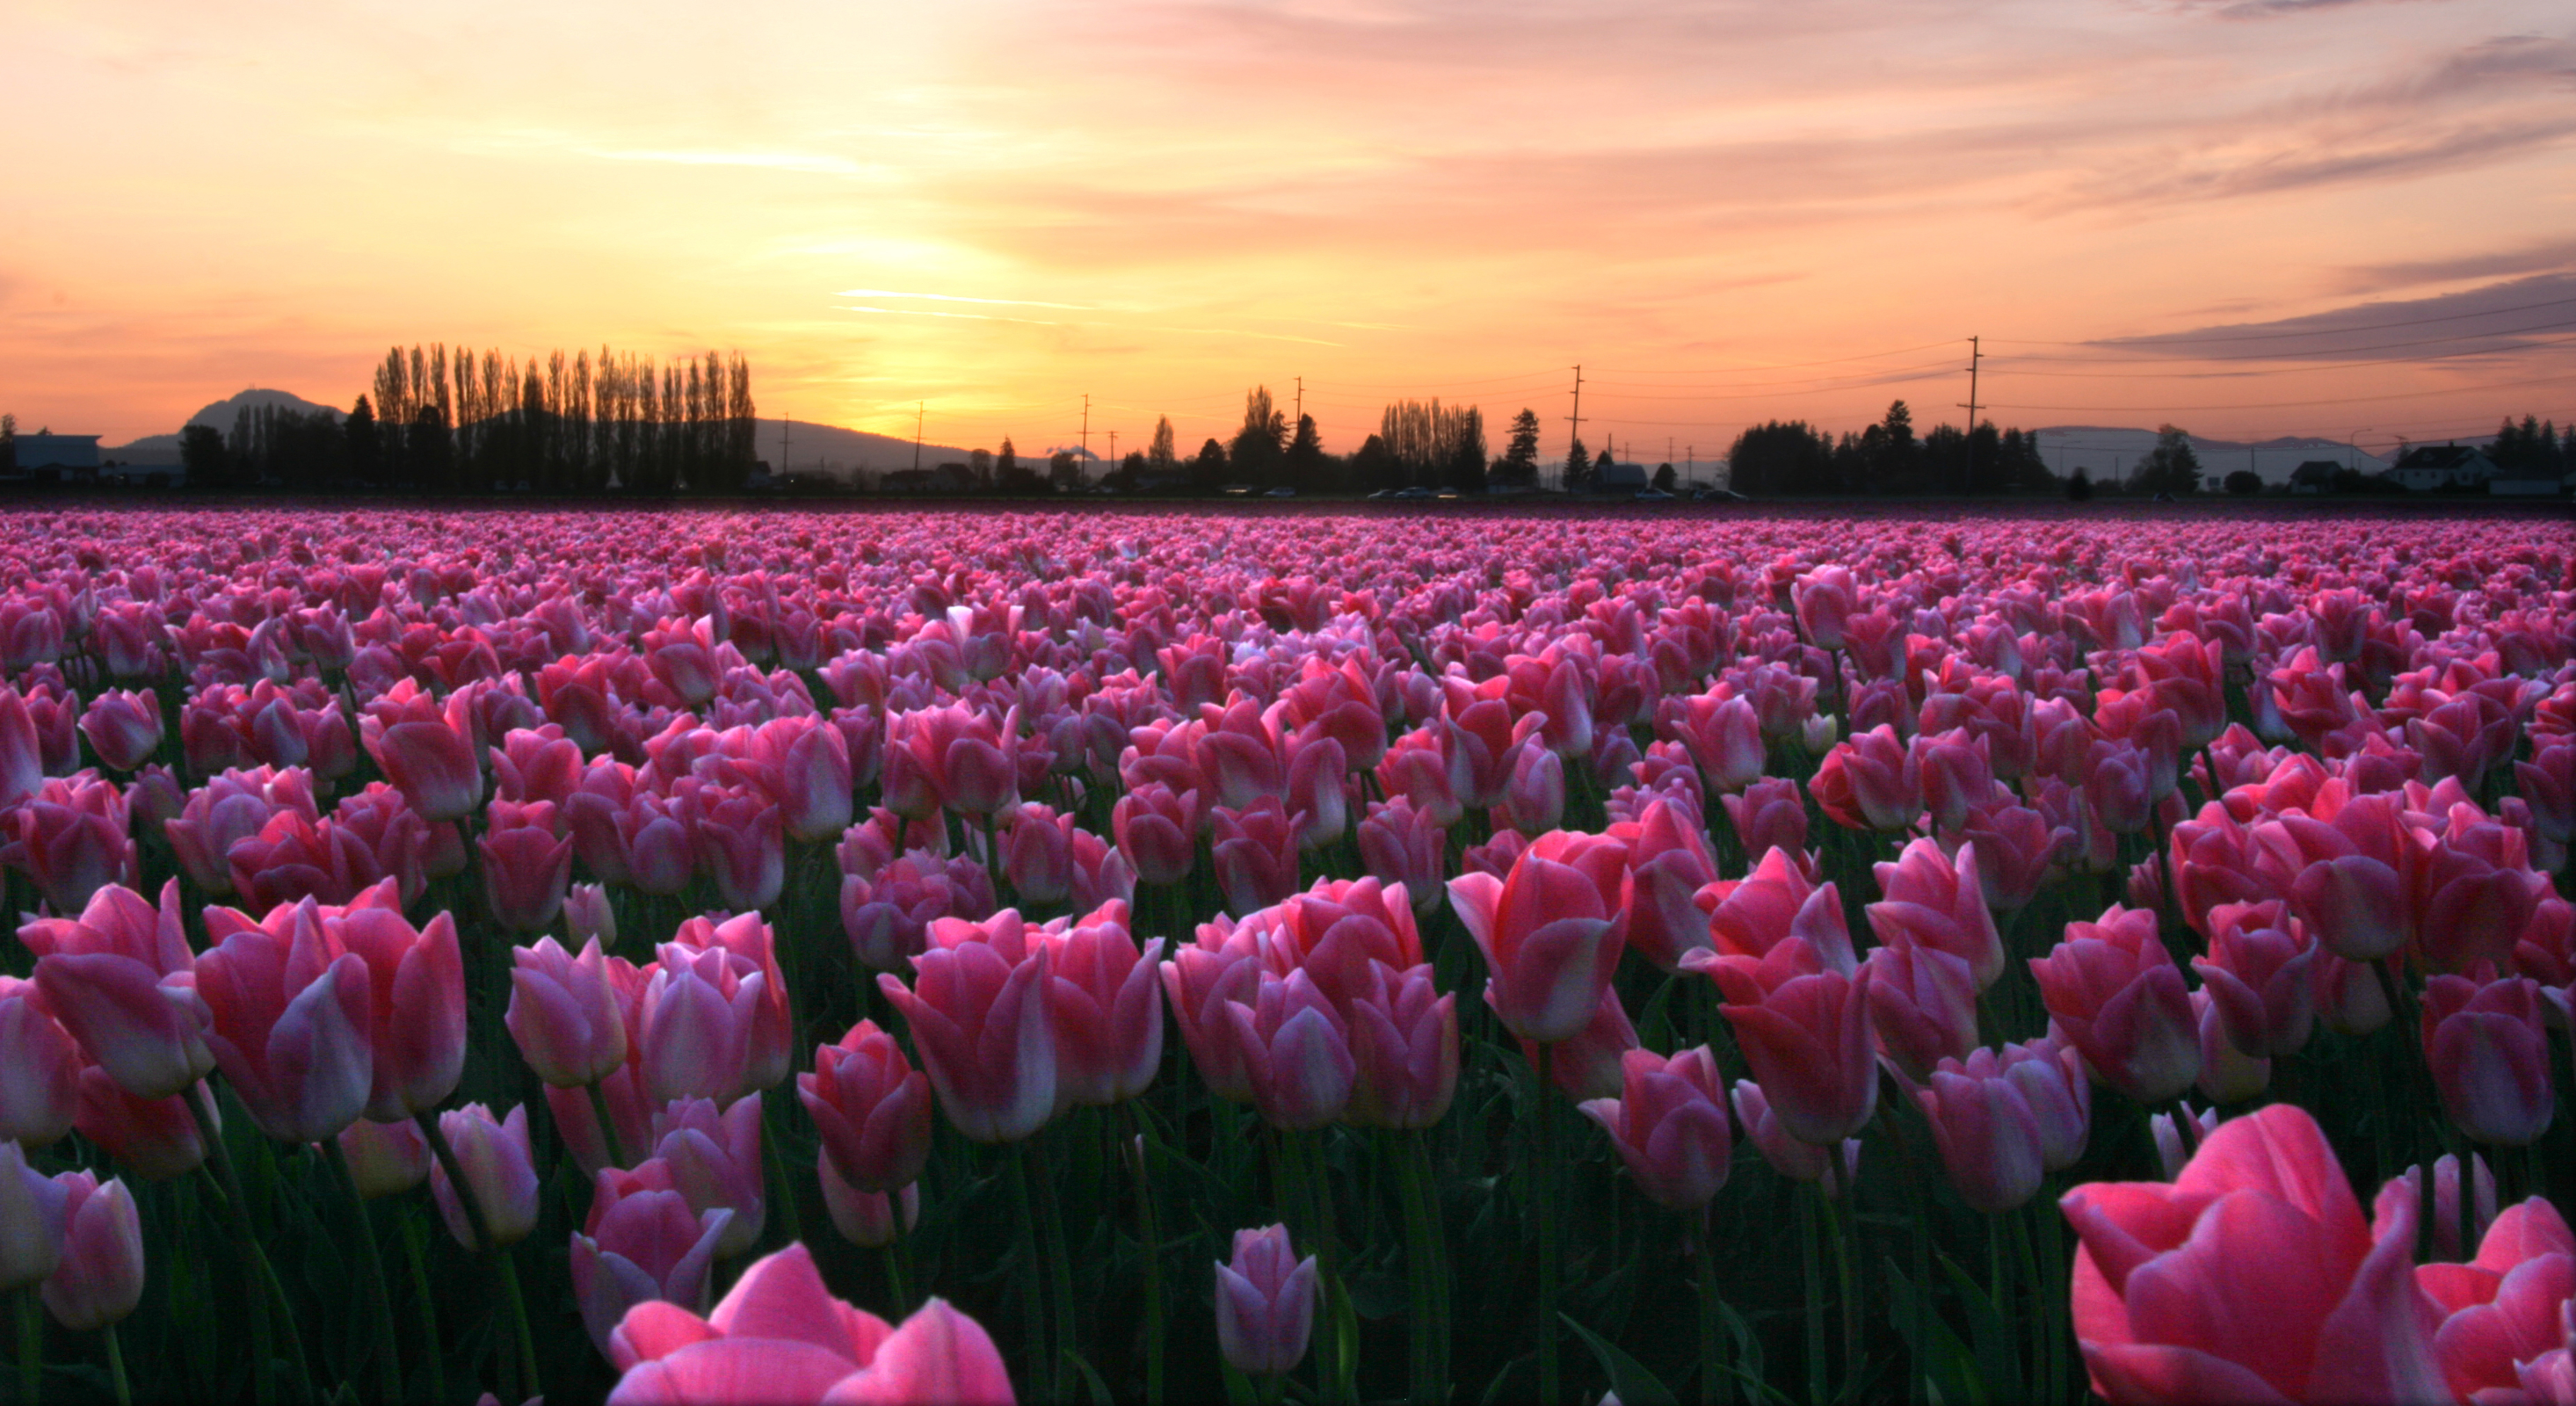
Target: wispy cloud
point(956, 298)
point(2516, 315)
point(772, 160)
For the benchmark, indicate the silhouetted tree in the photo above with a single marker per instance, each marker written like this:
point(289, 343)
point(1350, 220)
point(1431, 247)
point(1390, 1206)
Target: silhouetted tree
point(1519, 464)
point(1259, 444)
point(2170, 467)
point(8, 444)
point(1302, 468)
point(1781, 456)
point(1578, 466)
point(1664, 478)
point(2244, 483)
point(203, 455)
point(2079, 486)
point(365, 448)
point(1371, 467)
point(1207, 474)
point(1159, 454)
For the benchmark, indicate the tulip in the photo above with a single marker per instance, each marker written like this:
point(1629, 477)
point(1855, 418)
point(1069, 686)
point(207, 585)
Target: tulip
point(1265, 1303)
point(768, 1046)
point(494, 1159)
point(1790, 1157)
point(1670, 1126)
point(2447, 1209)
point(1989, 1136)
point(156, 1139)
point(2052, 1081)
point(2251, 1277)
point(643, 1245)
point(416, 1002)
point(1936, 900)
point(780, 1335)
point(871, 1109)
point(1157, 829)
point(1587, 1064)
point(1404, 1044)
point(1255, 854)
point(292, 1024)
point(1922, 1007)
point(1777, 902)
point(2115, 991)
point(100, 1277)
point(694, 1023)
point(2261, 973)
point(1402, 845)
point(1102, 1001)
point(1668, 864)
point(2490, 1057)
point(73, 838)
point(1548, 934)
point(123, 728)
point(34, 1214)
point(525, 867)
point(385, 1159)
point(2228, 1075)
point(1806, 1033)
point(867, 1219)
point(1295, 1052)
point(2503, 1316)
point(1768, 815)
point(564, 1014)
point(427, 751)
point(980, 1019)
point(1869, 782)
point(40, 1066)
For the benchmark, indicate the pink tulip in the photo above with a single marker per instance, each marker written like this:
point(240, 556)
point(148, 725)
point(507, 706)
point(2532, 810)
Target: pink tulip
point(525, 866)
point(887, 916)
point(498, 1171)
point(2052, 1081)
point(385, 1159)
point(155, 1139)
point(1777, 902)
point(1402, 845)
point(427, 750)
point(416, 1001)
point(1936, 900)
point(1255, 853)
point(867, 1219)
point(780, 1336)
point(1157, 829)
point(1548, 932)
point(2447, 1210)
point(2228, 1075)
point(2261, 973)
point(1295, 1052)
point(1805, 1031)
point(564, 1014)
point(1724, 736)
point(1922, 1007)
point(22, 758)
point(1790, 1157)
point(1869, 782)
point(1989, 1136)
point(72, 838)
point(292, 1028)
point(1670, 1126)
point(2490, 1057)
point(694, 1023)
point(768, 1047)
point(2251, 1277)
point(123, 728)
point(1106, 1010)
point(1404, 1044)
point(100, 1277)
point(1586, 1065)
point(2115, 991)
point(1769, 815)
point(40, 1066)
point(2507, 1307)
point(979, 1017)
point(644, 1244)
point(1265, 1303)
point(34, 1215)
point(1668, 864)
point(871, 1108)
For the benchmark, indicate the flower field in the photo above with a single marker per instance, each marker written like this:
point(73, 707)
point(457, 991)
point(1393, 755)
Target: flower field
point(923, 956)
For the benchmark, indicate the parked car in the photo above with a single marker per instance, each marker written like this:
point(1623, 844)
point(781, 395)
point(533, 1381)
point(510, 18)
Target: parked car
point(1653, 495)
point(1718, 495)
point(1283, 491)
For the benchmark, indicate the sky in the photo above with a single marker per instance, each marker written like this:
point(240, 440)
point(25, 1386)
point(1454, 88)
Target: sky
point(2347, 218)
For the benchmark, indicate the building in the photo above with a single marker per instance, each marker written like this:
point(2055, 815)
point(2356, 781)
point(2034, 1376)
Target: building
point(2315, 476)
point(1619, 478)
point(2435, 467)
point(2533, 486)
point(67, 453)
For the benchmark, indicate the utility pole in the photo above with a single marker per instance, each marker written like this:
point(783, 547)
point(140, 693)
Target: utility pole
point(1113, 452)
point(782, 445)
point(1301, 404)
point(1086, 425)
point(1968, 460)
point(1574, 434)
point(919, 408)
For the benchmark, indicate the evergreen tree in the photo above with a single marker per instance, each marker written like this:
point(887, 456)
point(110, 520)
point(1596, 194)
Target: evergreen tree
point(1520, 454)
point(1207, 473)
point(1159, 454)
point(1781, 456)
point(1007, 462)
point(1303, 466)
point(1578, 466)
point(1258, 445)
point(2171, 467)
point(366, 451)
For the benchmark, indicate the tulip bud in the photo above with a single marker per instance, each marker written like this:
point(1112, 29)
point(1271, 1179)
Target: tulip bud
point(499, 1173)
point(33, 1210)
point(1265, 1303)
point(385, 1159)
point(100, 1277)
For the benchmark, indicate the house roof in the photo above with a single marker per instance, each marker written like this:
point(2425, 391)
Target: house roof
point(2315, 471)
point(2440, 456)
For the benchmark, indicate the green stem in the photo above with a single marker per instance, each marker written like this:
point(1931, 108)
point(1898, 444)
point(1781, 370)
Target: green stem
point(237, 1208)
point(784, 1195)
point(607, 1126)
point(1149, 1226)
point(379, 1301)
point(1424, 1269)
point(465, 1197)
point(529, 1383)
point(1811, 1266)
point(31, 1345)
point(2040, 1317)
point(1711, 1357)
point(116, 1368)
point(1041, 1366)
point(1843, 1286)
point(1543, 1186)
point(413, 1235)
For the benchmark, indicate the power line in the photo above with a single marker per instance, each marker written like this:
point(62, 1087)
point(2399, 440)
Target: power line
point(2294, 404)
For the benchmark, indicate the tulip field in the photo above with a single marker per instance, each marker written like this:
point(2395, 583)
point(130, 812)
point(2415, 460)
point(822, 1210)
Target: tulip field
point(1314, 956)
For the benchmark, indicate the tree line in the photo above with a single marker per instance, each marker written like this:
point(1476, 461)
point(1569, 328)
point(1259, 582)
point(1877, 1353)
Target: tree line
point(1794, 457)
point(447, 421)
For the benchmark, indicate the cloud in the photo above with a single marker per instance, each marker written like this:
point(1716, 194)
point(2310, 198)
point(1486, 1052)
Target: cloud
point(2555, 256)
point(2520, 314)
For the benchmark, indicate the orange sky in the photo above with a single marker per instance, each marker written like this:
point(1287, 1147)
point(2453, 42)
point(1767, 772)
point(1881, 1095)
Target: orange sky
point(1725, 210)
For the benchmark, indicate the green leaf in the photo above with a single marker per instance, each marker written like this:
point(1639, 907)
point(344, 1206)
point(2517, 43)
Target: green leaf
point(1635, 1385)
point(1944, 1363)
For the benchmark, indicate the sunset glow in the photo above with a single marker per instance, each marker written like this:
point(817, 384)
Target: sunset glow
point(2333, 217)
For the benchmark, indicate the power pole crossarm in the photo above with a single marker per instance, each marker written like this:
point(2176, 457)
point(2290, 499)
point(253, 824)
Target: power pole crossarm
point(1574, 432)
point(1968, 459)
